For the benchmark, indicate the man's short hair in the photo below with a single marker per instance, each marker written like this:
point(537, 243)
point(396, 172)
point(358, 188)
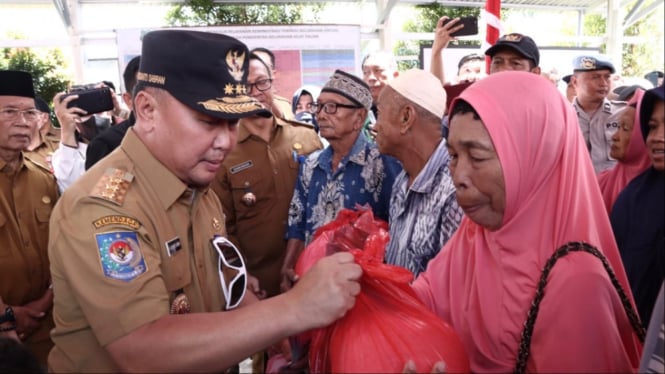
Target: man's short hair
point(271, 63)
point(389, 58)
point(129, 75)
point(469, 57)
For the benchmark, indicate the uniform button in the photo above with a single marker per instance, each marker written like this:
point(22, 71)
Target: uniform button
point(274, 171)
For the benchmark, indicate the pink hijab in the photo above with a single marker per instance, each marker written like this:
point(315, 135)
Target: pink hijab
point(483, 282)
point(634, 162)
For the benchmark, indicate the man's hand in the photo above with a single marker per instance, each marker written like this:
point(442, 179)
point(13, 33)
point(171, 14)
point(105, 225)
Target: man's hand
point(27, 320)
point(442, 34)
point(327, 291)
point(68, 118)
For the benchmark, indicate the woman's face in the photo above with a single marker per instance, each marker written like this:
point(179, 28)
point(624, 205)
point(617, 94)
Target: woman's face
point(621, 138)
point(304, 103)
point(656, 136)
point(476, 171)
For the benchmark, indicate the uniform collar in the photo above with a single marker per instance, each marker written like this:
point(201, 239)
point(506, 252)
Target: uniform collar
point(244, 134)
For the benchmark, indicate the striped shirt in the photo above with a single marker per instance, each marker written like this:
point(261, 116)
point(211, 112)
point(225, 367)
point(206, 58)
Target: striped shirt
point(424, 216)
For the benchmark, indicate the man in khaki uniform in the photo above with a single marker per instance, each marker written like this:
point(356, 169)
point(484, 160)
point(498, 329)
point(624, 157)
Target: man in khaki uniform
point(281, 106)
point(133, 239)
point(27, 196)
point(45, 139)
point(257, 179)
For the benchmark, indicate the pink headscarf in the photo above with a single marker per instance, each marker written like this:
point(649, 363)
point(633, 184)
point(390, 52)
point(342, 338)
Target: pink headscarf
point(634, 162)
point(483, 282)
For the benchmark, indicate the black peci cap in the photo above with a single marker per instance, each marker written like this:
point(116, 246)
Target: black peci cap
point(16, 83)
point(205, 71)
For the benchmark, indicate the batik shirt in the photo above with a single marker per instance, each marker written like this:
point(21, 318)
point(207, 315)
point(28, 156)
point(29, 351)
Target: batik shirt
point(424, 216)
point(364, 176)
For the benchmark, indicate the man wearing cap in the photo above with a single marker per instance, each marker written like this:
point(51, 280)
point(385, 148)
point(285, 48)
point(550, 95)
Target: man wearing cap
point(140, 268)
point(27, 195)
point(45, 138)
point(349, 172)
point(570, 88)
point(423, 209)
point(515, 52)
point(597, 115)
point(256, 180)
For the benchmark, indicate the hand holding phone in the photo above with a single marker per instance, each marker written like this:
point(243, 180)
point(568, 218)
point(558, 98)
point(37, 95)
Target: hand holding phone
point(469, 23)
point(95, 100)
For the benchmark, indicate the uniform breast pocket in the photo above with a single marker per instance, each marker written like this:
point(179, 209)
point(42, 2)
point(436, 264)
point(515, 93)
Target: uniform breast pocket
point(248, 189)
point(610, 128)
point(42, 215)
point(175, 270)
point(3, 229)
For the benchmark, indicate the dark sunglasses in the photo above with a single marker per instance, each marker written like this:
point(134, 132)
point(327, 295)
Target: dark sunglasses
point(232, 271)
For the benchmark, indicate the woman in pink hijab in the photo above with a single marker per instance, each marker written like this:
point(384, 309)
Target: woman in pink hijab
point(527, 187)
point(628, 149)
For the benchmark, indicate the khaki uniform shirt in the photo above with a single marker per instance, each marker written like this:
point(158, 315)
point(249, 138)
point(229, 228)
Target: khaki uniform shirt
point(126, 239)
point(268, 171)
point(283, 108)
point(44, 151)
point(27, 198)
point(597, 131)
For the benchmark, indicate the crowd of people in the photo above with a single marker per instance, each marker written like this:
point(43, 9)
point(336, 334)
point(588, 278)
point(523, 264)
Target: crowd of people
point(165, 237)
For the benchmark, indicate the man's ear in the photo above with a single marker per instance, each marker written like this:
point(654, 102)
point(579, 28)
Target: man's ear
point(127, 98)
point(406, 118)
point(145, 106)
point(536, 70)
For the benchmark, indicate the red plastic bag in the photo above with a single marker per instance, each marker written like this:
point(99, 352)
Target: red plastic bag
point(388, 325)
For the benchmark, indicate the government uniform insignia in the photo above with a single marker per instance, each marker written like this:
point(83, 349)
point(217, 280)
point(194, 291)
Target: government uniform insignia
point(240, 167)
point(117, 221)
point(588, 63)
point(180, 304)
point(120, 255)
point(113, 186)
point(235, 60)
point(216, 224)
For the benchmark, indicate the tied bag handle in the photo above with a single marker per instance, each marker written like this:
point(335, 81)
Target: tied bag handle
point(525, 343)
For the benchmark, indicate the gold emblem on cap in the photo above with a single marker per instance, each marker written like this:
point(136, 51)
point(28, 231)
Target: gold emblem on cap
point(588, 63)
point(216, 225)
point(235, 60)
point(46, 200)
point(180, 304)
point(297, 146)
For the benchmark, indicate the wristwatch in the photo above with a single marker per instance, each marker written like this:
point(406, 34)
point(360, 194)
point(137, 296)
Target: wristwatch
point(8, 316)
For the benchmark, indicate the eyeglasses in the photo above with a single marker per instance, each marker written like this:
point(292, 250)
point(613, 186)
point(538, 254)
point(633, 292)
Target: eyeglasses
point(232, 271)
point(10, 114)
point(331, 108)
point(261, 85)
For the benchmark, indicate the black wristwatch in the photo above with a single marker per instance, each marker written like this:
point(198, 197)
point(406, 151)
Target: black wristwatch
point(8, 316)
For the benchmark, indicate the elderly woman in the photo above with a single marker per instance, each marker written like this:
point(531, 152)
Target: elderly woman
point(527, 187)
point(628, 149)
point(638, 216)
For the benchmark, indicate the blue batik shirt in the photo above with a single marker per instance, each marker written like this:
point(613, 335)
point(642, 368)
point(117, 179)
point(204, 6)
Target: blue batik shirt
point(364, 176)
point(424, 216)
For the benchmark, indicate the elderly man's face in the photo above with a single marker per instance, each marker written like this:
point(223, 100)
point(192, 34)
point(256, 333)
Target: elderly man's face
point(592, 85)
point(377, 73)
point(16, 125)
point(345, 122)
point(387, 123)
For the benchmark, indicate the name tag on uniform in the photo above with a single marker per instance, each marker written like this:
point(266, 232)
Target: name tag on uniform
point(240, 167)
point(173, 246)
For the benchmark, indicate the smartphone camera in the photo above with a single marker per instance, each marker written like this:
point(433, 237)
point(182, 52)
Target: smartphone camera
point(470, 26)
point(91, 99)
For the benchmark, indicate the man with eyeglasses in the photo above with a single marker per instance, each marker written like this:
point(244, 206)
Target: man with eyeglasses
point(144, 278)
point(45, 138)
point(256, 180)
point(281, 105)
point(28, 193)
point(347, 173)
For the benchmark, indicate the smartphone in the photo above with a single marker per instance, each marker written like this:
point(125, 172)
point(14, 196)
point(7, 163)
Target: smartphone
point(95, 100)
point(470, 26)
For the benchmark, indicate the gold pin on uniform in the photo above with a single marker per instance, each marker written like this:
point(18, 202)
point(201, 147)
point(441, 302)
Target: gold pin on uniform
point(248, 198)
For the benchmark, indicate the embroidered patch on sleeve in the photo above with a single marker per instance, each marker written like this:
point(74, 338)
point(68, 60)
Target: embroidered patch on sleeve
point(120, 255)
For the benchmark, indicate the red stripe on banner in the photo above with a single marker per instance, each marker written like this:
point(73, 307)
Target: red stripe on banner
point(493, 7)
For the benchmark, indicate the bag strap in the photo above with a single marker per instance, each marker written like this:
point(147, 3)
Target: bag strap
point(525, 343)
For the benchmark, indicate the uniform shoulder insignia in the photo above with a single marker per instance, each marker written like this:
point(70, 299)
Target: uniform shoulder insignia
point(298, 123)
point(113, 186)
point(607, 107)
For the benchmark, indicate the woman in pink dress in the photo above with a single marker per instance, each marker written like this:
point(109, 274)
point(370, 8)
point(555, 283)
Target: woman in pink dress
point(525, 181)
